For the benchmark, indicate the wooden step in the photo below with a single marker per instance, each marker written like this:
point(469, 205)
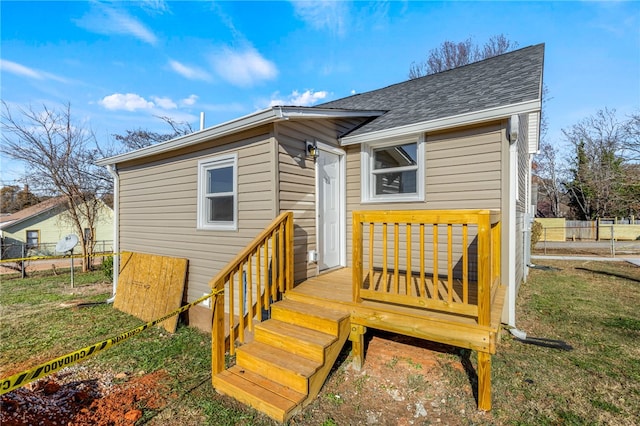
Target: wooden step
point(311, 344)
point(276, 364)
point(309, 316)
point(275, 400)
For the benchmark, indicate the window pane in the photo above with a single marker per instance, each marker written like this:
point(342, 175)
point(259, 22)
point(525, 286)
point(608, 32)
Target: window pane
point(220, 209)
point(220, 180)
point(32, 238)
point(396, 156)
point(396, 183)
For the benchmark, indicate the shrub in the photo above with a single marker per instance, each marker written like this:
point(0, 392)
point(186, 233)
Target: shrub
point(536, 233)
point(107, 267)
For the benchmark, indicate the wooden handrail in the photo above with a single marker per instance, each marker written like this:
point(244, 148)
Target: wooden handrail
point(266, 262)
point(393, 277)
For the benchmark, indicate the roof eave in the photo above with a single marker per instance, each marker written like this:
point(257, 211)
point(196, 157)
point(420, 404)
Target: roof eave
point(246, 122)
point(11, 223)
point(465, 119)
point(316, 112)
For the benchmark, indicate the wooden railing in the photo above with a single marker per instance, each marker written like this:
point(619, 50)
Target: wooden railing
point(446, 260)
point(262, 271)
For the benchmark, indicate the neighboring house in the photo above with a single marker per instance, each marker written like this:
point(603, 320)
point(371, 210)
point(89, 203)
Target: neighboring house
point(460, 139)
point(38, 228)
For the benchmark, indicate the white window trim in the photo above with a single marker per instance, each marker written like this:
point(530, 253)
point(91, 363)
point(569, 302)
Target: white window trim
point(203, 166)
point(366, 175)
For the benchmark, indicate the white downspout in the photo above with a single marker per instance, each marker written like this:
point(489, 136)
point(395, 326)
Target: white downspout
point(513, 182)
point(514, 124)
point(116, 215)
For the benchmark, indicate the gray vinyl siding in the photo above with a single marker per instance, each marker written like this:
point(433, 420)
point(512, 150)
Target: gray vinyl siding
point(523, 187)
point(297, 181)
point(462, 171)
point(523, 162)
point(158, 207)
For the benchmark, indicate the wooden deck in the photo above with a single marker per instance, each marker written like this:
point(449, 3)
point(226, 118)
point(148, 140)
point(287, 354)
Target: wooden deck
point(391, 287)
point(334, 290)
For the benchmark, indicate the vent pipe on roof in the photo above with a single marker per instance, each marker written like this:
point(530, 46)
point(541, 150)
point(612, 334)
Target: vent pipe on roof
point(202, 120)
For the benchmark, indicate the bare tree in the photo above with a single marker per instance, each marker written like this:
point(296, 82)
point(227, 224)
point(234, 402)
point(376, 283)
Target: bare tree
point(597, 170)
point(632, 131)
point(60, 156)
point(451, 55)
point(140, 138)
point(547, 168)
point(497, 45)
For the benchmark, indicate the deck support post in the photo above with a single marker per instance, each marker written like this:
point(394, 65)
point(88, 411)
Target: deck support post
point(357, 345)
point(484, 381)
point(217, 333)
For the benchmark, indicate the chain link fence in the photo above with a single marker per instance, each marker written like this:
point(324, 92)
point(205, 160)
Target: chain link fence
point(15, 256)
point(20, 250)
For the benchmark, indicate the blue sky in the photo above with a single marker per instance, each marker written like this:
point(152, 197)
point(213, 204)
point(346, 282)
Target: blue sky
point(121, 64)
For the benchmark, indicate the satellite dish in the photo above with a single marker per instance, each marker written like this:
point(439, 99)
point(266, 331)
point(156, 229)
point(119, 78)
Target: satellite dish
point(67, 243)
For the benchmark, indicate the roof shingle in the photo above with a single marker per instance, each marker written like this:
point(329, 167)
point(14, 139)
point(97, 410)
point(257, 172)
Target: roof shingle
point(506, 79)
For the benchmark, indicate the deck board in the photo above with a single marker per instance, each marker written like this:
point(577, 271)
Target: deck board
point(334, 289)
point(336, 286)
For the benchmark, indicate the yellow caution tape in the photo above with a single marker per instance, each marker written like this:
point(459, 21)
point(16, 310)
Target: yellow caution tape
point(20, 379)
point(63, 256)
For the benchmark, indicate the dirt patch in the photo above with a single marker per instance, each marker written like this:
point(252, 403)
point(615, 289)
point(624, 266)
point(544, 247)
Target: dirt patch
point(404, 381)
point(63, 400)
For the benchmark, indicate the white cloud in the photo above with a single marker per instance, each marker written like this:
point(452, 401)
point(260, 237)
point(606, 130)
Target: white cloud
point(24, 71)
point(324, 14)
point(21, 70)
point(306, 98)
point(192, 73)
point(243, 68)
point(128, 102)
point(106, 20)
point(191, 100)
point(155, 6)
point(164, 103)
point(135, 102)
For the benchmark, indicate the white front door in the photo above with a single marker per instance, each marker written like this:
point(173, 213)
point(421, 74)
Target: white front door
point(329, 210)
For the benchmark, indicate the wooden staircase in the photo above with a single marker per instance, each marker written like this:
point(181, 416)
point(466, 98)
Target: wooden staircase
point(285, 366)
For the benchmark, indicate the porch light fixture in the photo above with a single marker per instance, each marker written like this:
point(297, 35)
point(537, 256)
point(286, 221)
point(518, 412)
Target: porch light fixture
point(311, 148)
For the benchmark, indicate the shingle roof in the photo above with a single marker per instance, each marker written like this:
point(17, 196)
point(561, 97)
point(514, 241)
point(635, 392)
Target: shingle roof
point(503, 80)
point(31, 211)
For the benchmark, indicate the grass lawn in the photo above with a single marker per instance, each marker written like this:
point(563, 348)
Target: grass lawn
point(592, 306)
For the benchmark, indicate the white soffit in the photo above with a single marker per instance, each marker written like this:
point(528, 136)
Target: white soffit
point(446, 122)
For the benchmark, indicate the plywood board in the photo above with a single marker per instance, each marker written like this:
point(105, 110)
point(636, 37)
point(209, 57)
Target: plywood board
point(151, 286)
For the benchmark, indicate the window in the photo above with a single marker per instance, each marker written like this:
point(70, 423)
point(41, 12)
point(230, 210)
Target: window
point(33, 238)
point(217, 193)
point(88, 235)
point(393, 171)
